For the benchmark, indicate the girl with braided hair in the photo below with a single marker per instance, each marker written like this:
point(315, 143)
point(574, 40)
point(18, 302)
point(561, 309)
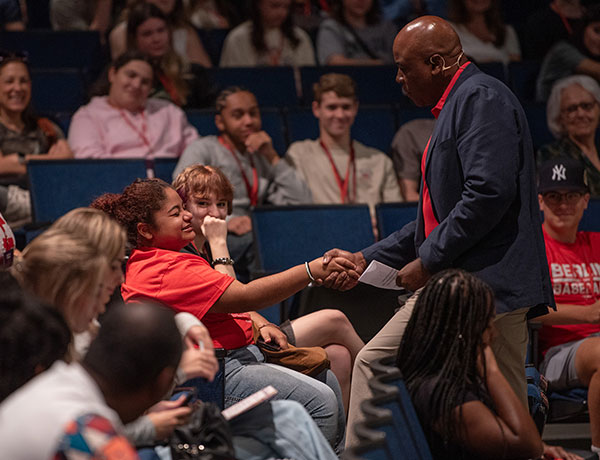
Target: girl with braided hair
point(465, 405)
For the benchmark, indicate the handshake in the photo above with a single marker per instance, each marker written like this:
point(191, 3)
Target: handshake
point(340, 270)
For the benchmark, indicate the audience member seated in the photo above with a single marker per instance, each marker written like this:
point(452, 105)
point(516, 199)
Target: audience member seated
point(11, 16)
point(269, 38)
point(407, 150)
point(124, 122)
point(216, 14)
point(355, 35)
point(579, 55)
point(32, 336)
point(483, 34)
point(246, 155)
point(573, 113)
point(81, 15)
point(207, 194)
point(23, 136)
point(466, 407)
point(80, 408)
point(66, 271)
point(337, 168)
point(569, 338)
point(158, 227)
point(552, 23)
point(186, 42)
point(308, 14)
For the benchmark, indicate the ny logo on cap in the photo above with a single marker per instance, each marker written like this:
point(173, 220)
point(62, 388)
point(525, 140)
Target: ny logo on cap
point(559, 172)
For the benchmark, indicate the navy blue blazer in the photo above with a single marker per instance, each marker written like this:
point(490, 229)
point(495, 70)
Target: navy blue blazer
point(480, 172)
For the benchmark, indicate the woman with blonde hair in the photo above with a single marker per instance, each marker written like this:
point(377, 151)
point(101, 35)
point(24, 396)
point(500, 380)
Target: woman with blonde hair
point(106, 235)
point(65, 271)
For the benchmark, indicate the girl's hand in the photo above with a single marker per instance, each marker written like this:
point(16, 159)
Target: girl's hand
point(214, 229)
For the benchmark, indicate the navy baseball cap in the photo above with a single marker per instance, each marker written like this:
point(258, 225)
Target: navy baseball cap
point(562, 173)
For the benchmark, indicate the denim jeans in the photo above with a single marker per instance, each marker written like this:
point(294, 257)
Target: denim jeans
point(281, 429)
point(246, 372)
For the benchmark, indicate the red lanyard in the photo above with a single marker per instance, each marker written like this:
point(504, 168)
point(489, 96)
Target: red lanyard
point(170, 89)
point(563, 18)
point(275, 53)
point(251, 189)
point(142, 133)
point(343, 186)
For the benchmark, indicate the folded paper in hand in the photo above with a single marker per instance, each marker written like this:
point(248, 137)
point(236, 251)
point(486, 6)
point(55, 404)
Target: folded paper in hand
point(381, 276)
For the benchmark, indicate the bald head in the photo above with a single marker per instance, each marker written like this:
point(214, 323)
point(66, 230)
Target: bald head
point(428, 53)
point(429, 35)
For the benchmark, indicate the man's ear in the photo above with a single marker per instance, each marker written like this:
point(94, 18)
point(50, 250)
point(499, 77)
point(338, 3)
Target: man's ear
point(219, 122)
point(315, 109)
point(144, 230)
point(541, 201)
point(437, 64)
point(586, 197)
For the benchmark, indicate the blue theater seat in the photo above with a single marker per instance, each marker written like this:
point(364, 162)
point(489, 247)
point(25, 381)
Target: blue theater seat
point(375, 84)
point(57, 186)
point(57, 90)
point(273, 86)
point(374, 126)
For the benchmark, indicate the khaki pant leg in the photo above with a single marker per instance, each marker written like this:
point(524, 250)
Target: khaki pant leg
point(385, 343)
point(510, 349)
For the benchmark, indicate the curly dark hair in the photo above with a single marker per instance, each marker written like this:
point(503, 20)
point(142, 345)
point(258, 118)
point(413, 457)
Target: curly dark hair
point(443, 341)
point(137, 204)
point(258, 30)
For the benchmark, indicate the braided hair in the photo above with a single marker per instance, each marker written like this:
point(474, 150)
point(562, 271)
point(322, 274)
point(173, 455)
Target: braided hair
point(443, 341)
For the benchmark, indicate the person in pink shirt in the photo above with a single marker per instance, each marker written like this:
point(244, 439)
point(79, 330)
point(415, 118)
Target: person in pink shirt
point(126, 123)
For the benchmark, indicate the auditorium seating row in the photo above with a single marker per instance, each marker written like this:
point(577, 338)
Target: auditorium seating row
point(375, 126)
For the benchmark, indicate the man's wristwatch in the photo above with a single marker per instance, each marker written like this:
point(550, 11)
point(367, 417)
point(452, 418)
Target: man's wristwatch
point(21, 158)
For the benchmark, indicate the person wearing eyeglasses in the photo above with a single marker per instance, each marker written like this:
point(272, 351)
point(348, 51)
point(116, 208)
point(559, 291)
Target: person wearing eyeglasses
point(573, 113)
point(570, 336)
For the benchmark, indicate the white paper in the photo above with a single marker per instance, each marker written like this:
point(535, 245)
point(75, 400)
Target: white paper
point(381, 276)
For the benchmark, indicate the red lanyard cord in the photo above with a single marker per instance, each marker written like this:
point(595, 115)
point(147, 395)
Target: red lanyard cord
point(252, 190)
point(343, 185)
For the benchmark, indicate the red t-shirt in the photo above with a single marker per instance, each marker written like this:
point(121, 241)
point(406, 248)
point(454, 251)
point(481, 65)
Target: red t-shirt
point(186, 282)
point(575, 273)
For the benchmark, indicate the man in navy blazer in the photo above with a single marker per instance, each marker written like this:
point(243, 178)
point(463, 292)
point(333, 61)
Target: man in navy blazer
point(478, 204)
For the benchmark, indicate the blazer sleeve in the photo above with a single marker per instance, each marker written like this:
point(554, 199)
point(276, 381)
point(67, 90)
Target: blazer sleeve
point(396, 250)
point(487, 145)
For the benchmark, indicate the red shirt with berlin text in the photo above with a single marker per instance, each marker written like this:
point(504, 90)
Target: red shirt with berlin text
point(575, 274)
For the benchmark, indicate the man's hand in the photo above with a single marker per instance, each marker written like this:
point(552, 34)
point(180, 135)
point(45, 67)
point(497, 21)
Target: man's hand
point(413, 275)
point(239, 225)
point(198, 359)
point(593, 312)
point(557, 452)
point(272, 334)
point(168, 415)
point(341, 280)
point(261, 142)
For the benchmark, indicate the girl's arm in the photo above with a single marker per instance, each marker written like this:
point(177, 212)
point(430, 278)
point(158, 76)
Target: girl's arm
point(261, 293)
point(509, 434)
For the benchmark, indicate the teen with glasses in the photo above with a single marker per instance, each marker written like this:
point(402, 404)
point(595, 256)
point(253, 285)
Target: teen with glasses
point(573, 113)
